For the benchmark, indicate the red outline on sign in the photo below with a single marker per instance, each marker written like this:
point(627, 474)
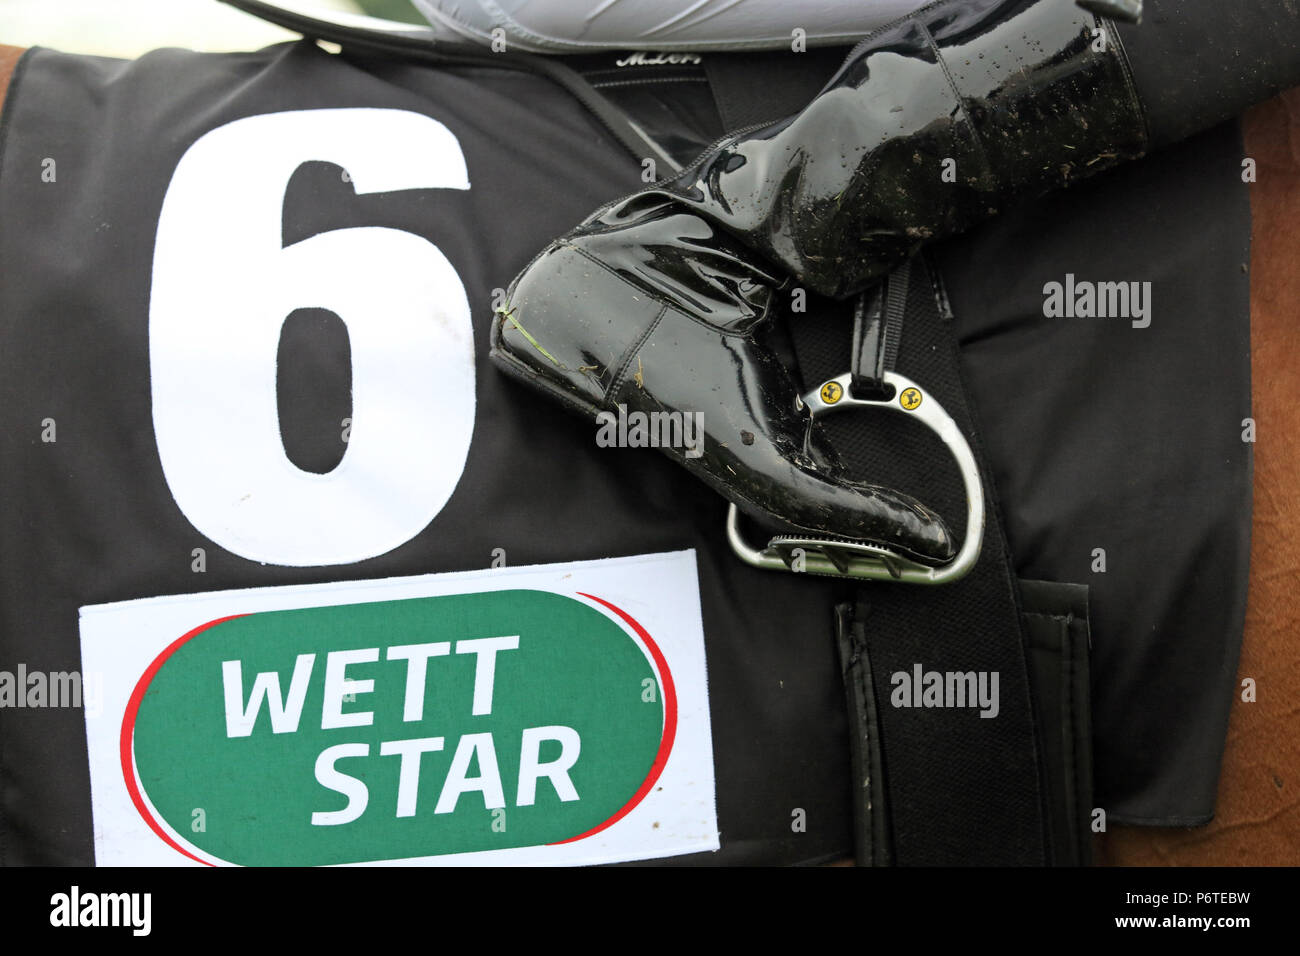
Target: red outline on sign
point(128, 733)
point(670, 723)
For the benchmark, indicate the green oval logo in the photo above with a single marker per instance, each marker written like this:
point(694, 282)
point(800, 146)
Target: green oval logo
point(399, 729)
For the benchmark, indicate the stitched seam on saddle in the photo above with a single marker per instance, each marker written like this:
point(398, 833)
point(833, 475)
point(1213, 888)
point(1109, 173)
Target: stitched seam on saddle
point(629, 73)
point(605, 84)
point(621, 376)
point(1068, 696)
point(867, 782)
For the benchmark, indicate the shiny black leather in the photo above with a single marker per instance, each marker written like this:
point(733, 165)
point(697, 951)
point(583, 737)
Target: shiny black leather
point(659, 301)
point(1009, 97)
point(671, 316)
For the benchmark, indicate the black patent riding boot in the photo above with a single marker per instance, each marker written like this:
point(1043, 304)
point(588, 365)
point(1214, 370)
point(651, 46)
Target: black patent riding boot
point(933, 123)
point(937, 121)
point(669, 319)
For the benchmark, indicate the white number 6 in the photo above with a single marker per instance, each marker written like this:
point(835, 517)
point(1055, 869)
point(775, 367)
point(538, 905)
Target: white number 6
point(222, 288)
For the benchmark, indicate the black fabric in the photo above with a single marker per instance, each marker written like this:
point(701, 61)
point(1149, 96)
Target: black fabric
point(89, 519)
point(1050, 633)
point(1198, 63)
point(1118, 451)
point(1055, 620)
point(667, 94)
point(962, 788)
point(763, 87)
point(872, 838)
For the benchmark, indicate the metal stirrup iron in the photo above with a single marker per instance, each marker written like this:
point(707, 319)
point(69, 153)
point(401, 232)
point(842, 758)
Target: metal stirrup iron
point(845, 557)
